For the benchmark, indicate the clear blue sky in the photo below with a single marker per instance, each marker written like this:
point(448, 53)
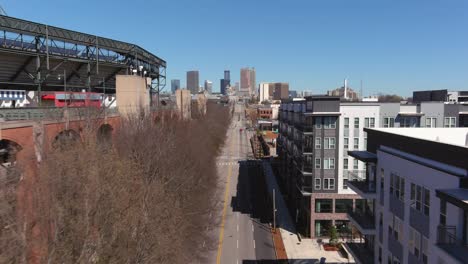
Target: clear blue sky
point(393, 46)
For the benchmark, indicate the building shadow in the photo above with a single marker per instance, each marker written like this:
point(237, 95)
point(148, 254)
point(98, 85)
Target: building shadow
point(251, 195)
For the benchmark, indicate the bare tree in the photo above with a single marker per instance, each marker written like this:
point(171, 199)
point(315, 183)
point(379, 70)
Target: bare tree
point(146, 199)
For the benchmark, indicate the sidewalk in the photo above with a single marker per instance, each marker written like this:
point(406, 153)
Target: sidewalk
point(306, 250)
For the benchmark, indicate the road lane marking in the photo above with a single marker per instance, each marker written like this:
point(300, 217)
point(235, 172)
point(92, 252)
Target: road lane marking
point(252, 228)
point(223, 219)
point(237, 243)
point(237, 228)
point(254, 243)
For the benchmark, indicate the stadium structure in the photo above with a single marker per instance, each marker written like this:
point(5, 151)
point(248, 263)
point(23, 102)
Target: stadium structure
point(38, 57)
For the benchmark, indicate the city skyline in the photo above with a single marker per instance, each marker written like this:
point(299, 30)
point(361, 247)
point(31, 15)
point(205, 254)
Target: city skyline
point(422, 49)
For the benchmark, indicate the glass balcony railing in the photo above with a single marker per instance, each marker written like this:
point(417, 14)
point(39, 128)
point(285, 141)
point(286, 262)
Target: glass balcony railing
point(357, 180)
point(448, 241)
point(364, 219)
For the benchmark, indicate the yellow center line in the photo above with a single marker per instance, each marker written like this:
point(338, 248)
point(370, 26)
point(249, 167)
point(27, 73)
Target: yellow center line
point(226, 194)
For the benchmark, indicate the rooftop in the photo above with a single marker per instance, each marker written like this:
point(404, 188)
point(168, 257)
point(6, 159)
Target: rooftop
point(451, 136)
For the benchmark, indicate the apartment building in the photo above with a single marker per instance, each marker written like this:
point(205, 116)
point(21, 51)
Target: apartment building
point(415, 192)
point(315, 137)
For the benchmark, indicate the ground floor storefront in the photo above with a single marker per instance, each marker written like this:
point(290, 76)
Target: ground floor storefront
point(327, 210)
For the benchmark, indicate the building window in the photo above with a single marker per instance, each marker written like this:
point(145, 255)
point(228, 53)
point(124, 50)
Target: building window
point(450, 122)
point(329, 122)
point(329, 143)
point(324, 205)
point(356, 143)
point(397, 186)
point(355, 164)
point(318, 163)
point(345, 184)
point(443, 213)
point(318, 143)
point(382, 180)
point(346, 143)
point(369, 122)
point(409, 121)
point(414, 242)
point(398, 229)
point(318, 183)
point(424, 249)
point(329, 163)
point(365, 143)
point(431, 122)
point(380, 255)
point(346, 122)
point(322, 227)
point(356, 122)
point(420, 198)
point(389, 122)
point(345, 163)
point(427, 201)
point(318, 122)
point(343, 205)
point(329, 184)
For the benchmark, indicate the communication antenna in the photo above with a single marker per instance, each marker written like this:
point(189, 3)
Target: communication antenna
point(2, 11)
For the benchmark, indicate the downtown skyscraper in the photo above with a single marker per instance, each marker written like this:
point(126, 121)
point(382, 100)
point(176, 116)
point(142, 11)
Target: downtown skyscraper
point(193, 82)
point(175, 85)
point(247, 81)
point(208, 86)
point(226, 82)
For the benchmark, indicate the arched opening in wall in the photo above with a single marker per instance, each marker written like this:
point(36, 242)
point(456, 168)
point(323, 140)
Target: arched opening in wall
point(65, 139)
point(8, 152)
point(104, 136)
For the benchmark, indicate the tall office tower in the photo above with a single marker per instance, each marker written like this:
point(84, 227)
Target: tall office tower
point(245, 80)
point(175, 85)
point(223, 86)
point(248, 84)
point(253, 90)
point(280, 91)
point(193, 81)
point(208, 86)
point(227, 75)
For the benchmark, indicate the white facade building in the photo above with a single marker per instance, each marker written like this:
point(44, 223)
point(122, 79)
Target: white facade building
point(416, 192)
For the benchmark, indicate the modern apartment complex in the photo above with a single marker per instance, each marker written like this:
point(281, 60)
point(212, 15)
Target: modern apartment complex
point(415, 192)
point(315, 137)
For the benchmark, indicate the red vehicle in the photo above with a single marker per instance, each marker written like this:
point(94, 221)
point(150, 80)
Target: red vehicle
point(240, 129)
point(74, 99)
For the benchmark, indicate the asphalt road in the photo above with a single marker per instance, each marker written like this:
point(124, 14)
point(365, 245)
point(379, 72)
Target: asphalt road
point(244, 235)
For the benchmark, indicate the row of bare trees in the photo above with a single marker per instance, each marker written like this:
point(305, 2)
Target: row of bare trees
point(147, 198)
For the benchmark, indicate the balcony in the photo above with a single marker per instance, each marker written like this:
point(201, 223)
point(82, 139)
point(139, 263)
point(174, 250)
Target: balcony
point(307, 169)
point(307, 149)
point(359, 183)
point(361, 252)
point(364, 222)
point(305, 128)
point(448, 242)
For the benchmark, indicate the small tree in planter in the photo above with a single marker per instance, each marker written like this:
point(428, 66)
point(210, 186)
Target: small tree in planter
point(333, 234)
